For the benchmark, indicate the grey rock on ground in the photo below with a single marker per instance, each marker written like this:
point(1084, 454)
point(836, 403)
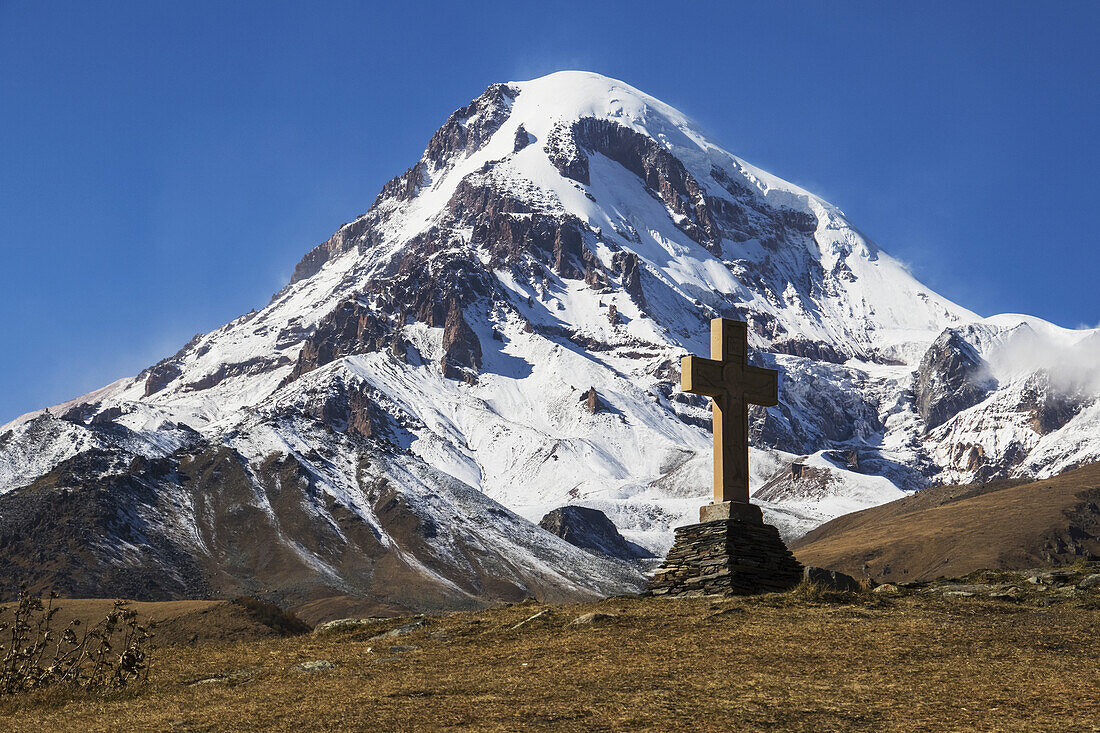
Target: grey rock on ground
point(953, 588)
point(1090, 581)
point(401, 630)
point(1056, 578)
point(831, 579)
point(342, 624)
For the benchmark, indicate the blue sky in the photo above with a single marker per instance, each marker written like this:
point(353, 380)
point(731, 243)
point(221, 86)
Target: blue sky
point(164, 166)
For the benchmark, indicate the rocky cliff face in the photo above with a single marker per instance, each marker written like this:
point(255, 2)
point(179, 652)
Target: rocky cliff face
point(499, 335)
point(952, 376)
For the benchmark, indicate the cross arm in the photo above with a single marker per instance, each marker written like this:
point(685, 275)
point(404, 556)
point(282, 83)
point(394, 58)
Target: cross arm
point(761, 386)
point(701, 376)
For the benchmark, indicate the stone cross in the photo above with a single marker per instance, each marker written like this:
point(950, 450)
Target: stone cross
point(733, 385)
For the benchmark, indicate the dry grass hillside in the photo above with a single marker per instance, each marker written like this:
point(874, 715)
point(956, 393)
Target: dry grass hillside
point(953, 530)
point(906, 659)
point(186, 622)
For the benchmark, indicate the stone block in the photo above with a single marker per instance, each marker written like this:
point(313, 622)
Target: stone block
point(730, 510)
point(727, 556)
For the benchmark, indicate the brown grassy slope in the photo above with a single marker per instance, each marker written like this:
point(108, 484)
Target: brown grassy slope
point(173, 622)
point(346, 606)
point(954, 530)
point(775, 662)
point(92, 609)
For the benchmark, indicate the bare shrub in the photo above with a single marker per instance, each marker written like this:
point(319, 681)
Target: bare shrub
point(107, 655)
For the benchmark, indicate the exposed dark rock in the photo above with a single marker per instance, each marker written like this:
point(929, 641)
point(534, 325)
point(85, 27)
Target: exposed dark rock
point(79, 414)
point(817, 412)
point(255, 365)
point(160, 375)
point(399, 347)
point(523, 139)
point(800, 482)
point(562, 150)
point(404, 186)
point(831, 579)
point(98, 524)
point(470, 127)
point(348, 408)
point(841, 271)
point(590, 529)
point(613, 316)
point(62, 533)
point(510, 231)
point(465, 131)
point(351, 328)
point(848, 459)
point(428, 293)
point(345, 238)
point(1050, 405)
point(292, 334)
point(629, 268)
point(659, 169)
point(567, 249)
point(816, 350)
point(800, 221)
point(108, 416)
point(592, 401)
point(311, 263)
point(748, 217)
point(461, 346)
point(593, 270)
point(952, 377)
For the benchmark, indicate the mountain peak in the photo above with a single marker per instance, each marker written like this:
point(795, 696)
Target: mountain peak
point(559, 238)
point(576, 94)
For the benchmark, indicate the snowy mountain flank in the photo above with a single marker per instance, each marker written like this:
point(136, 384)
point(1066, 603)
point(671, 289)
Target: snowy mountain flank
point(498, 336)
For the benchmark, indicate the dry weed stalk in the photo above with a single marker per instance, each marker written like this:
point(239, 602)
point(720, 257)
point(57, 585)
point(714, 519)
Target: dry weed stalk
point(108, 655)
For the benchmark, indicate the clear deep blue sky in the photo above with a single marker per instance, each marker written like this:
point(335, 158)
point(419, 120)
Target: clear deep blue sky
point(164, 165)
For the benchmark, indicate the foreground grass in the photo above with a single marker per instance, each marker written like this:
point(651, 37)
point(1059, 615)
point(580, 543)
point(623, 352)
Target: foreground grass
point(802, 661)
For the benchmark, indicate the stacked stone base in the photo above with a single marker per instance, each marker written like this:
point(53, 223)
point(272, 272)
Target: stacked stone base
point(726, 557)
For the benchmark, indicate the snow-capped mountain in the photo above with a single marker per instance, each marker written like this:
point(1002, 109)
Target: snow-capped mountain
point(499, 335)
